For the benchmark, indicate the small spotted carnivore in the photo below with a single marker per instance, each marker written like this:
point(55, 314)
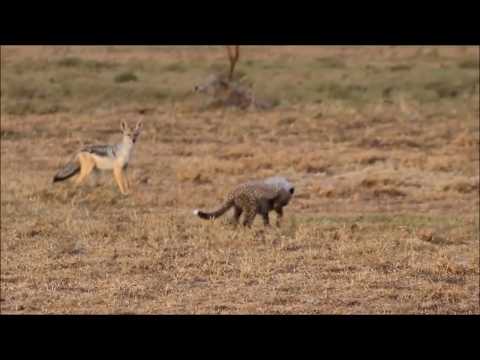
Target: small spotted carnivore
point(255, 197)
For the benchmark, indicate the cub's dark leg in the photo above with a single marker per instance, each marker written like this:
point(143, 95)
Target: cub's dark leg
point(249, 217)
point(266, 221)
point(279, 211)
point(264, 207)
point(236, 214)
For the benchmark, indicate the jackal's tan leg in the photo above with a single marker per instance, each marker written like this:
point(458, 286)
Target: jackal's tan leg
point(118, 175)
point(86, 167)
point(126, 181)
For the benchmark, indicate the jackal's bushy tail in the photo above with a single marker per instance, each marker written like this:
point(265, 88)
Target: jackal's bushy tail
point(67, 171)
point(214, 214)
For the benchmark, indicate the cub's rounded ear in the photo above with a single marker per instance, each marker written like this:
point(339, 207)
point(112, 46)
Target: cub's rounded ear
point(139, 125)
point(123, 125)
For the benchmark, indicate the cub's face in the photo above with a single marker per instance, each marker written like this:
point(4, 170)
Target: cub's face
point(284, 196)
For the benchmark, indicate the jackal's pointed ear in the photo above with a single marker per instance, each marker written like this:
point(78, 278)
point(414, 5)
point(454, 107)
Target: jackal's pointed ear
point(123, 126)
point(139, 125)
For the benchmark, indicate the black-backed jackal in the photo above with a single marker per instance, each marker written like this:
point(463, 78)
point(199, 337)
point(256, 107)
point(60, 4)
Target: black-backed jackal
point(103, 157)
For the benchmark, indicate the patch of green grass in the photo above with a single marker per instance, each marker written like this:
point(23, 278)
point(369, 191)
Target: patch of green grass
point(28, 65)
point(23, 90)
point(75, 62)
point(11, 135)
point(125, 77)
point(331, 62)
point(469, 64)
point(26, 96)
point(401, 67)
point(444, 89)
point(274, 101)
point(278, 64)
point(23, 107)
point(70, 62)
point(340, 91)
point(217, 68)
point(161, 94)
point(176, 67)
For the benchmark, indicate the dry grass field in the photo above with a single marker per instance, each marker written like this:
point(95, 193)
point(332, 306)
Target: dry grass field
point(381, 143)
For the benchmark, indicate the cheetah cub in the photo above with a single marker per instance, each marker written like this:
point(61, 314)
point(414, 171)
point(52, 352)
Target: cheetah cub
point(255, 197)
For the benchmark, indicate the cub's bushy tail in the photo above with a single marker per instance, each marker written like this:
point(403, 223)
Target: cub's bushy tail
point(67, 171)
point(214, 214)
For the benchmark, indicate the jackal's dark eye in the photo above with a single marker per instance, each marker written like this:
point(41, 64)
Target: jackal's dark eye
point(292, 190)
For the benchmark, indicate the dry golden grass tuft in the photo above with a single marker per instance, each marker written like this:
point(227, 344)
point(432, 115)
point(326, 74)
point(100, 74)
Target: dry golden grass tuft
point(380, 142)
